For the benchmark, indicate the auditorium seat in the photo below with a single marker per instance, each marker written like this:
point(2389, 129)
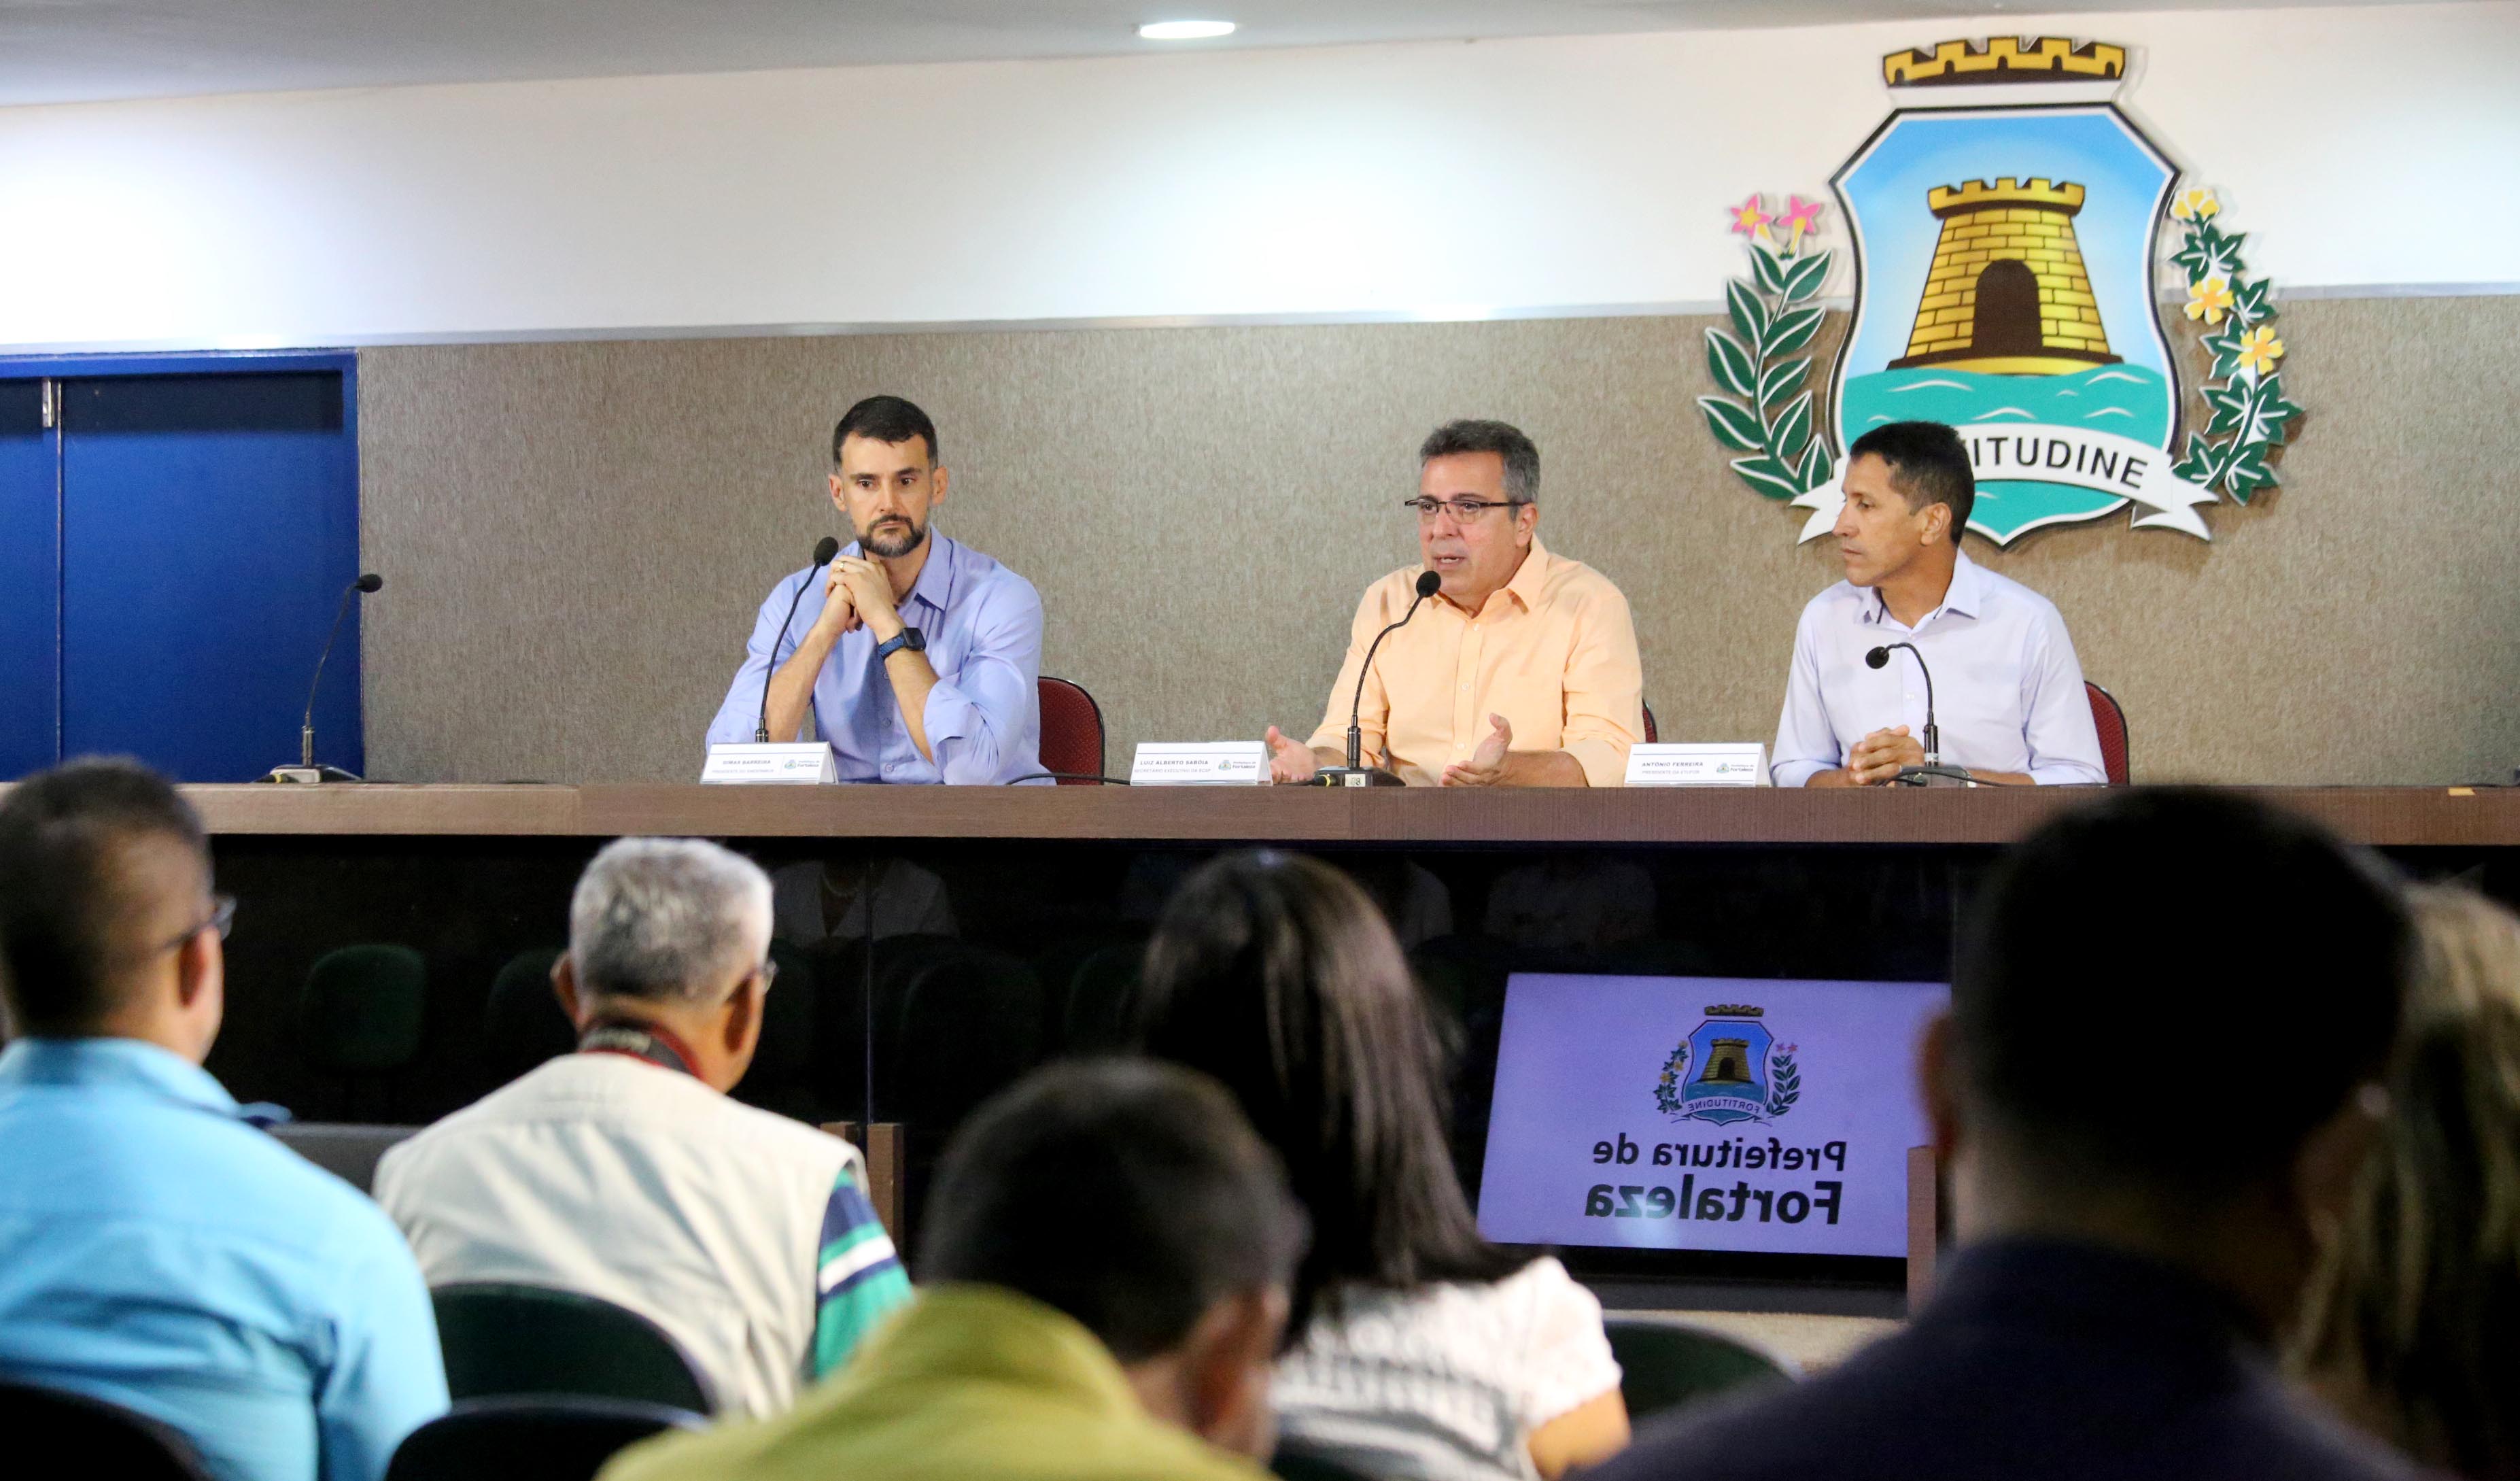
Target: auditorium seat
point(530, 1439)
point(1294, 1462)
point(522, 1023)
point(1093, 1020)
point(359, 1015)
point(348, 1150)
point(1653, 732)
point(2108, 717)
point(93, 1437)
point(501, 1339)
point(780, 1075)
point(1071, 730)
point(1665, 1364)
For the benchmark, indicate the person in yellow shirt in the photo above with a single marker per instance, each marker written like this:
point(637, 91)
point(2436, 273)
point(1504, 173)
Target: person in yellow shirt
point(1108, 1247)
point(1521, 670)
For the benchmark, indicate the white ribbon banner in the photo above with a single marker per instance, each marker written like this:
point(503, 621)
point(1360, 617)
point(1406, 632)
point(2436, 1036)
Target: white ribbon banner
point(2101, 461)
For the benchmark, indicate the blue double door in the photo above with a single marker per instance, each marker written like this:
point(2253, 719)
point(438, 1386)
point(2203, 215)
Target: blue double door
point(174, 535)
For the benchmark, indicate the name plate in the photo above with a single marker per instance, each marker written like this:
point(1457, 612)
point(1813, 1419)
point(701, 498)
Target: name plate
point(800, 764)
point(1730, 765)
point(1200, 763)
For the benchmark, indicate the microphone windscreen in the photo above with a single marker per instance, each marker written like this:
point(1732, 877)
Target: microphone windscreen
point(1427, 582)
point(371, 582)
point(1876, 657)
point(825, 550)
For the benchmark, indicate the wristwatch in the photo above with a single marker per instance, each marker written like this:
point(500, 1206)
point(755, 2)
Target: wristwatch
point(907, 639)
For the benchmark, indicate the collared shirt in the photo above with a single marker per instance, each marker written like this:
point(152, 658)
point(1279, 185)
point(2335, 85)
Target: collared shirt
point(1553, 651)
point(982, 624)
point(2007, 691)
point(2040, 1360)
point(745, 1235)
point(159, 1254)
point(972, 1384)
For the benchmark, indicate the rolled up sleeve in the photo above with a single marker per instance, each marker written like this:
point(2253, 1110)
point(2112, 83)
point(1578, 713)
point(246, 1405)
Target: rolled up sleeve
point(1605, 683)
point(2063, 741)
point(981, 716)
point(1806, 742)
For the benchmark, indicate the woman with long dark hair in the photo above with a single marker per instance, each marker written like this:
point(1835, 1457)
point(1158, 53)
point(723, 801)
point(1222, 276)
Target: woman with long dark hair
point(1418, 1349)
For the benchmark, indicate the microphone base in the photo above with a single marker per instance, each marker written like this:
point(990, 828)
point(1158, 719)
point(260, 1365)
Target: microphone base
point(1355, 777)
point(305, 774)
point(1932, 775)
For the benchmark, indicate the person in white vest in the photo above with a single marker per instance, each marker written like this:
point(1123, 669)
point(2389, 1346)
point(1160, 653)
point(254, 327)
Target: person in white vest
point(624, 1172)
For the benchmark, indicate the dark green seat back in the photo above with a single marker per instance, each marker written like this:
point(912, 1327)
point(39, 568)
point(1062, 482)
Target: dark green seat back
point(1666, 1363)
point(526, 1339)
point(361, 1009)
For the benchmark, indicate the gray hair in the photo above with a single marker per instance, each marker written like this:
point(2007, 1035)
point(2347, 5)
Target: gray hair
point(1504, 439)
point(666, 918)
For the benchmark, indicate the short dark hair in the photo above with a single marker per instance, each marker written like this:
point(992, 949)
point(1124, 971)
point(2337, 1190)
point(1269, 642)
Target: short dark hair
point(69, 895)
point(1130, 1195)
point(1276, 974)
point(2184, 1043)
point(1929, 464)
point(1506, 440)
point(887, 419)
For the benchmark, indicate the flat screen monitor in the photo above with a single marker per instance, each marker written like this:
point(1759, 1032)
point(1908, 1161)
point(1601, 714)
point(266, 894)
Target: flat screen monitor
point(1719, 1114)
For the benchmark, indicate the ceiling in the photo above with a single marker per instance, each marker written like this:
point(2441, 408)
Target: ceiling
point(54, 51)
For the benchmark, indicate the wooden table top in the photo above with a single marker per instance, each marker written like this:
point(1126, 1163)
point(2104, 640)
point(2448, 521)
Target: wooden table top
point(2389, 816)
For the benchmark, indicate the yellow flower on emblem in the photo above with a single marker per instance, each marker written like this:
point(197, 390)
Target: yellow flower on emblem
point(2258, 350)
point(2209, 299)
point(2195, 206)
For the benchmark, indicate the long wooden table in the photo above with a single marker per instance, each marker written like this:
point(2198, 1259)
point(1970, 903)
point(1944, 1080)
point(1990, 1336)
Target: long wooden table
point(2384, 816)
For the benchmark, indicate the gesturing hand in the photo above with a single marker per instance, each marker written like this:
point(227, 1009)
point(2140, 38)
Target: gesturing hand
point(1486, 766)
point(1877, 757)
point(1288, 761)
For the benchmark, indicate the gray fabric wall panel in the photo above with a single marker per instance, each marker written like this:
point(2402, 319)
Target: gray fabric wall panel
point(577, 536)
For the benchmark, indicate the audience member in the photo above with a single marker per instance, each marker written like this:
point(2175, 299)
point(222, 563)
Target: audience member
point(2145, 1113)
point(624, 1172)
point(156, 1251)
point(1423, 1350)
point(2413, 1323)
point(1106, 1256)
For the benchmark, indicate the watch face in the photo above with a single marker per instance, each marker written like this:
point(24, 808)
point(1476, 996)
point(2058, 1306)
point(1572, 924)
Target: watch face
point(914, 640)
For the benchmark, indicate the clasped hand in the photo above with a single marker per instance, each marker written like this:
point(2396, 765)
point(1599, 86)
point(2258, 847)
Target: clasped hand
point(857, 593)
point(1877, 757)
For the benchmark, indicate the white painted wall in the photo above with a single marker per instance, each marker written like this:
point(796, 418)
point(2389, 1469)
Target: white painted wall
point(2356, 146)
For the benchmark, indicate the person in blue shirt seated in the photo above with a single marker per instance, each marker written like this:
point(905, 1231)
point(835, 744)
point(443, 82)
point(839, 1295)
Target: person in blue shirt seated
point(2006, 688)
point(916, 657)
point(156, 1251)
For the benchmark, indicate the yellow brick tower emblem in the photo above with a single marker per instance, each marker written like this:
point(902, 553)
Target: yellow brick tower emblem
point(2007, 293)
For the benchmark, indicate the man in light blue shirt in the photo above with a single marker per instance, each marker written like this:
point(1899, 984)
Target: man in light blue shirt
point(916, 657)
point(2007, 693)
point(156, 1251)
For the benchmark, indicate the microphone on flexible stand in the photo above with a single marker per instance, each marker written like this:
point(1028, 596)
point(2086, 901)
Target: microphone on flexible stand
point(1355, 774)
point(306, 771)
point(1933, 774)
point(824, 550)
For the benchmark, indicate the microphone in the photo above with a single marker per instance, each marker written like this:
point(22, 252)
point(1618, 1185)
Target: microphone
point(306, 771)
point(1354, 774)
point(824, 550)
point(1933, 733)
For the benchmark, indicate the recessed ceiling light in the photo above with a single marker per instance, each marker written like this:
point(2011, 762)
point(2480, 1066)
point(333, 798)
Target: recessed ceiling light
point(1184, 31)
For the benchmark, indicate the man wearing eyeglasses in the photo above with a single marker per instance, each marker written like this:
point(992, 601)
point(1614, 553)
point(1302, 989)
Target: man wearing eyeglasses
point(624, 1172)
point(1520, 672)
point(156, 1251)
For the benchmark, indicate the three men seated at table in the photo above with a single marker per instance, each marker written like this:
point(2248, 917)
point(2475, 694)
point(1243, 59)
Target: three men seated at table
point(916, 657)
point(1522, 668)
point(2005, 687)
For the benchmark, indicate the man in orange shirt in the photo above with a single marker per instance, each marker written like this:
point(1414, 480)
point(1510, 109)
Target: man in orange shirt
point(1520, 672)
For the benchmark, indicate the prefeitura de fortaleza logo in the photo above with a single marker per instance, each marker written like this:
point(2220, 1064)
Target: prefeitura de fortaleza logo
point(2011, 233)
point(1729, 1068)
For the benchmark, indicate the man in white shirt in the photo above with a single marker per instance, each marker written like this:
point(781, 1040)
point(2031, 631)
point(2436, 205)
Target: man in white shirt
point(624, 1172)
point(2004, 686)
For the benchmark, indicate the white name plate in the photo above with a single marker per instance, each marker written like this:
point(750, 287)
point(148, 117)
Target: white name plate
point(1743, 765)
point(1200, 763)
point(800, 764)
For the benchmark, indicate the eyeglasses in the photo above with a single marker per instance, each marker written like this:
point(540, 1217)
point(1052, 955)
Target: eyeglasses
point(1464, 511)
point(222, 915)
point(768, 972)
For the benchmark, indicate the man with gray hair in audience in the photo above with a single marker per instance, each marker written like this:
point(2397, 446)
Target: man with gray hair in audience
point(624, 1172)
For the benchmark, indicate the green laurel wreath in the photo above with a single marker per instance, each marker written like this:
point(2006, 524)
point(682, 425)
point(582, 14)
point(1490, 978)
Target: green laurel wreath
point(1788, 1087)
point(1774, 318)
point(1667, 1093)
point(2250, 411)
